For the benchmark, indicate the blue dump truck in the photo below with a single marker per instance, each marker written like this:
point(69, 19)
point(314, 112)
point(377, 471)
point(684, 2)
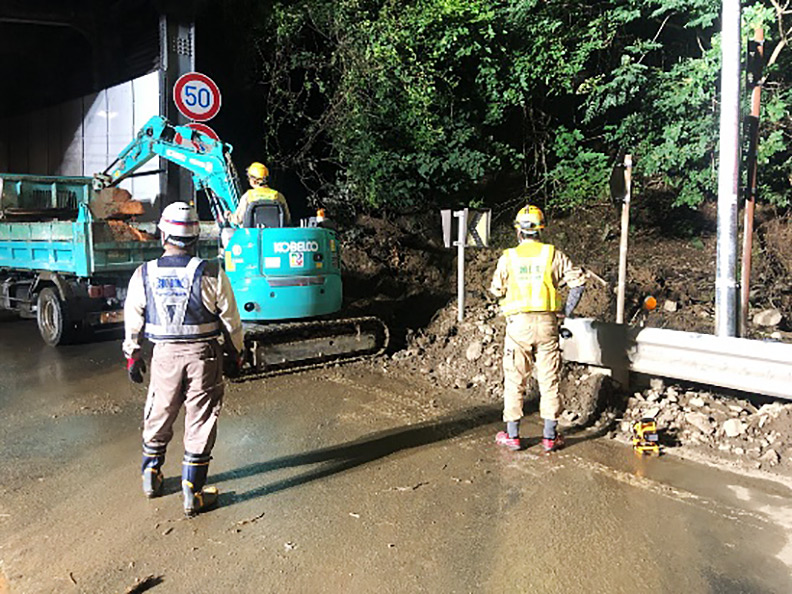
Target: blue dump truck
point(63, 265)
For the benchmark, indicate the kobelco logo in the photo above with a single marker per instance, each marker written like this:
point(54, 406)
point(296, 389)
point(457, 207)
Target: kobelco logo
point(285, 247)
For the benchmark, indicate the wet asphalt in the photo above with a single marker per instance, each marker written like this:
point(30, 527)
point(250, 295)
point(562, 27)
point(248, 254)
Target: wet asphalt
point(354, 479)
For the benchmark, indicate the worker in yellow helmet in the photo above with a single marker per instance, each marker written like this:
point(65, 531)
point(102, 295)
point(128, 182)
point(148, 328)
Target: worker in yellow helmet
point(527, 279)
point(259, 190)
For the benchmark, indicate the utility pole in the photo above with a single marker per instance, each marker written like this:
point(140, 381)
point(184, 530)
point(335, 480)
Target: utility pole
point(728, 172)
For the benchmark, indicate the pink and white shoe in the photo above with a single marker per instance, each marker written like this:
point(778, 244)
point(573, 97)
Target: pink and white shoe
point(552, 445)
point(510, 443)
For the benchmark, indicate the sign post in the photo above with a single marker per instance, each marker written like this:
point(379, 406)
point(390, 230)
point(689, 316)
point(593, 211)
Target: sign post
point(620, 182)
point(461, 241)
point(473, 230)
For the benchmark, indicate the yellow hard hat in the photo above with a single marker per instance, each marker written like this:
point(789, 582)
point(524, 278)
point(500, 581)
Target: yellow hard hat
point(258, 170)
point(530, 218)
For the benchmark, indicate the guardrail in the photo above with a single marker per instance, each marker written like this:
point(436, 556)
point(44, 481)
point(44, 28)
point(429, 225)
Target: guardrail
point(753, 366)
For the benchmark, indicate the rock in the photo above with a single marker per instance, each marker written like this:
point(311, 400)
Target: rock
point(569, 416)
point(772, 409)
point(657, 384)
point(771, 457)
point(651, 413)
point(652, 397)
point(768, 317)
point(479, 379)
point(670, 306)
point(474, 350)
point(733, 428)
point(672, 394)
point(666, 418)
point(700, 421)
point(697, 402)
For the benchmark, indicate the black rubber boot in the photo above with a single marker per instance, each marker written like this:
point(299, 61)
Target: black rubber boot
point(153, 459)
point(197, 498)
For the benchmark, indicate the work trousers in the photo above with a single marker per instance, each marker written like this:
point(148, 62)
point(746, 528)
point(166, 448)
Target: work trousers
point(189, 374)
point(531, 339)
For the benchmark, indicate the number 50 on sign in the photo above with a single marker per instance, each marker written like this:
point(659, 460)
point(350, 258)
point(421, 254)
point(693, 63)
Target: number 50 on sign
point(197, 96)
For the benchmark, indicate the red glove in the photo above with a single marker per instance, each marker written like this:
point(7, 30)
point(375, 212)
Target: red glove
point(136, 368)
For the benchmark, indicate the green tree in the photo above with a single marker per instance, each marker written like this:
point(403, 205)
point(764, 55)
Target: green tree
point(405, 104)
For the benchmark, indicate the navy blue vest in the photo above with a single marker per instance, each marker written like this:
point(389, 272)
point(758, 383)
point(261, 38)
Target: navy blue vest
point(175, 310)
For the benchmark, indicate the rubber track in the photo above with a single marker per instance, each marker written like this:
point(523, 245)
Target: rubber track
point(281, 332)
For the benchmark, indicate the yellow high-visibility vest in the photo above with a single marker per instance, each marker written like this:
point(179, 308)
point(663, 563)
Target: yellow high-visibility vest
point(530, 288)
point(259, 194)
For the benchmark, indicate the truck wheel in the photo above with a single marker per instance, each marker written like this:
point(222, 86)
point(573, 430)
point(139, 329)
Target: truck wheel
point(54, 322)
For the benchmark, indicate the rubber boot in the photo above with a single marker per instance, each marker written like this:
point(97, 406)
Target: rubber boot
point(153, 459)
point(197, 498)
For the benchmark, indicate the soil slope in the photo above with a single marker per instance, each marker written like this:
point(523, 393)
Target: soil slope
point(398, 269)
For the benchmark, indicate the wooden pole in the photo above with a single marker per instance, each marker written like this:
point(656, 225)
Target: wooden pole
point(625, 229)
point(754, 80)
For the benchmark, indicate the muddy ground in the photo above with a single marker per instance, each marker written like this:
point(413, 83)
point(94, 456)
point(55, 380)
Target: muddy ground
point(400, 270)
point(349, 479)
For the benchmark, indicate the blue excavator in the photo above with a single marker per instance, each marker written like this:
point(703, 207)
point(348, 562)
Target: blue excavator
point(287, 280)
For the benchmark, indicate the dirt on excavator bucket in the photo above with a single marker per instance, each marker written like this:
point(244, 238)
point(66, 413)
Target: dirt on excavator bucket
point(114, 203)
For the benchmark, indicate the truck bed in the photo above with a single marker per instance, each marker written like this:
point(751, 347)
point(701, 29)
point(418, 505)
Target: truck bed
point(82, 248)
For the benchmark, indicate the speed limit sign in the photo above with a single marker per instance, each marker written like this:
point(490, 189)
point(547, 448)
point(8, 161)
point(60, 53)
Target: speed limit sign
point(196, 96)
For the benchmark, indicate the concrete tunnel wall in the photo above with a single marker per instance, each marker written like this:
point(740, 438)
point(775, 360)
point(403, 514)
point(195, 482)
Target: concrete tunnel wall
point(83, 136)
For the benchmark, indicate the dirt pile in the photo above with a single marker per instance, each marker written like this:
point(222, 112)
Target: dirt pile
point(735, 431)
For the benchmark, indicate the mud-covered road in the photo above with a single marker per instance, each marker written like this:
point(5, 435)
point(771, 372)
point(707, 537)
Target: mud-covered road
point(350, 480)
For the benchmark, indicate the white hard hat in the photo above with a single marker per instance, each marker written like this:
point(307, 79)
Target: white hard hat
point(179, 224)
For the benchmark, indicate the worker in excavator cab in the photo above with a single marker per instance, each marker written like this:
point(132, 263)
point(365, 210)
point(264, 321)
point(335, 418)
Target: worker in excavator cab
point(259, 192)
point(527, 279)
point(183, 305)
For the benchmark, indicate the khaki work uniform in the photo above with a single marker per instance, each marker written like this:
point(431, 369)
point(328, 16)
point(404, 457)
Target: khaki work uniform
point(187, 362)
point(527, 278)
point(257, 195)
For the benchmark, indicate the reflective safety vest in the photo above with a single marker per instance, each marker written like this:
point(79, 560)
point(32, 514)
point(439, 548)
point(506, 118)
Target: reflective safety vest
point(261, 194)
point(530, 287)
point(175, 310)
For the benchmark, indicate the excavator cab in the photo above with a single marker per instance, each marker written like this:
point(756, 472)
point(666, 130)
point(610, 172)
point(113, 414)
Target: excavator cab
point(264, 215)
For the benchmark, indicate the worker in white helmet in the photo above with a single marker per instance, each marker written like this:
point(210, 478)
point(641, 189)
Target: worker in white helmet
point(527, 278)
point(183, 305)
point(258, 178)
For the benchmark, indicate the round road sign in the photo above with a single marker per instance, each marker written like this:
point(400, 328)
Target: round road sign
point(196, 96)
point(202, 128)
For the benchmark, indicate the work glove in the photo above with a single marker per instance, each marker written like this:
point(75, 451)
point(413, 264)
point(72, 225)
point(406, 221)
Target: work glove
point(232, 364)
point(136, 368)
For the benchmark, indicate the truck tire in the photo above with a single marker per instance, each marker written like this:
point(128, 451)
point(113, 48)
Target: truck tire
point(54, 322)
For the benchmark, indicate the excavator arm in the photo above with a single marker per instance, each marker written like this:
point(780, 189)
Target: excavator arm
point(207, 159)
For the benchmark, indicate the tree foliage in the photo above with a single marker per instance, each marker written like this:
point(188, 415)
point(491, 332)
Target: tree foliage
point(404, 104)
